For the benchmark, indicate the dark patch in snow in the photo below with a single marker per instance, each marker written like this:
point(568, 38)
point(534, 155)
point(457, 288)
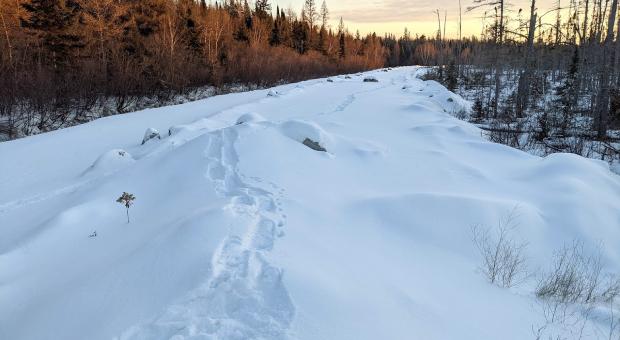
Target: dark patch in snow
point(313, 145)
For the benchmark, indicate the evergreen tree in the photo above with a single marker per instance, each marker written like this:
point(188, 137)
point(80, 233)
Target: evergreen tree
point(241, 33)
point(232, 7)
point(262, 8)
point(320, 45)
point(566, 93)
point(191, 33)
point(300, 36)
point(55, 24)
point(478, 108)
point(274, 37)
point(247, 12)
point(324, 15)
point(341, 40)
point(451, 76)
point(285, 30)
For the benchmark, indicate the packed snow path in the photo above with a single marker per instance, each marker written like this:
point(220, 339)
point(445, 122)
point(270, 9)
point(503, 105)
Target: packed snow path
point(241, 229)
point(245, 297)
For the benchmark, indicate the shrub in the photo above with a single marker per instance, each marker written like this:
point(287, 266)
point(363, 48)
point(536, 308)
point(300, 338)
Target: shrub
point(574, 277)
point(126, 199)
point(503, 258)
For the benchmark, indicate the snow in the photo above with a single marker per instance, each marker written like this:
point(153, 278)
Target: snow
point(250, 117)
point(149, 134)
point(239, 231)
point(110, 161)
point(300, 130)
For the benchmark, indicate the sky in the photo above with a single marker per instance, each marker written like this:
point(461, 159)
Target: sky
point(392, 16)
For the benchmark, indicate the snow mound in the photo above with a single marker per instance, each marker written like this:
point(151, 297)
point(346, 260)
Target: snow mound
point(307, 133)
point(273, 93)
point(250, 117)
point(149, 134)
point(448, 101)
point(199, 125)
point(110, 161)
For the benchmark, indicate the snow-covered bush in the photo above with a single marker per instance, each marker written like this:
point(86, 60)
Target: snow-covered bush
point(149, 134)
point(273, 93)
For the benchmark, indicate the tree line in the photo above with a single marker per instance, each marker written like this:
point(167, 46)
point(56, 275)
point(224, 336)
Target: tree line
point(61, 59)
point(539, 79)
point(552, 73)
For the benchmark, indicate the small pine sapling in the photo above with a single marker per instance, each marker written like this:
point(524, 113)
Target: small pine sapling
point(126, 199)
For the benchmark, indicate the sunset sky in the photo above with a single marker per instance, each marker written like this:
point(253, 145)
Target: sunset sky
point(417, 15)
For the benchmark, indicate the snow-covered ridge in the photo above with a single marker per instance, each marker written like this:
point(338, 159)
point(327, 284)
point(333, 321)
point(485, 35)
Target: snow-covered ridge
point(328, 209)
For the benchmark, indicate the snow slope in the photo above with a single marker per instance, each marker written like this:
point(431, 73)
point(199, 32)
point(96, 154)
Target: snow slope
point(240, 231)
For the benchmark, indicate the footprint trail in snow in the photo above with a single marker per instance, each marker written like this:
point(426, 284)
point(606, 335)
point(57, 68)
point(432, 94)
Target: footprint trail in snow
point(245, 297)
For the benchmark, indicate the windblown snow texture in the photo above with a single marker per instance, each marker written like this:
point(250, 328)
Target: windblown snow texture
point(242, 230)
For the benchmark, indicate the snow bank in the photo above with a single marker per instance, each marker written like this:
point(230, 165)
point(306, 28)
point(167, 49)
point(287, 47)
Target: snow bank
point(307, 133)
point(109, 162)
point(239, 231)
point(250, 117)
point(273, 93)
point(149, 134)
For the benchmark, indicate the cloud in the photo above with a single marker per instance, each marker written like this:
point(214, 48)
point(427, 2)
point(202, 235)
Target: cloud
point(388, 10)
point(384, 11)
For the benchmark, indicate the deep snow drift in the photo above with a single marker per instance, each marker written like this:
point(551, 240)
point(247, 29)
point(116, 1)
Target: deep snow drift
point(241, 229)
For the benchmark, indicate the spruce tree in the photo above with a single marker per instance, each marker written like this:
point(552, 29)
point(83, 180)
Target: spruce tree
point(274, 37)
point(341, 41)
point(451, 76)
point(54, 24)
point(324, 14)
point(247, 12)
point(321, 41)
point(566, 93)
point(262, 8)
point(300, 36)
point(191, 32)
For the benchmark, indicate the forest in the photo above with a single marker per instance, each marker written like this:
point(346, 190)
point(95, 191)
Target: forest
point(64, 62)
point(539, 81)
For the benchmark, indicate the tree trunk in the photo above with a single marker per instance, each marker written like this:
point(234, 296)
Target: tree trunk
point(606, 67)
point(8, 38)
point(524, 80)
point(617, 58)
point(498, 64)
point(585, 22)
